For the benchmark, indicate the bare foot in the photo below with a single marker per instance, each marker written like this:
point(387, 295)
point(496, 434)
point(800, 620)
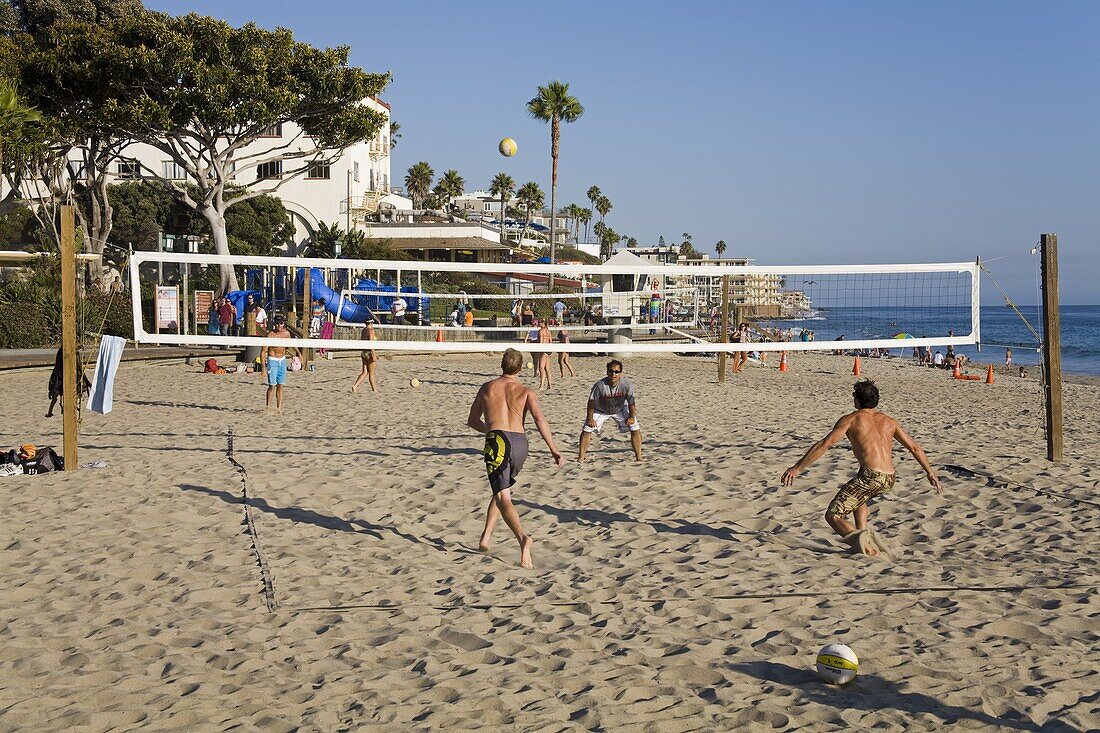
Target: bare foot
point(483, 544)
point(525, 553)
point(355, 388)
point(870, 551)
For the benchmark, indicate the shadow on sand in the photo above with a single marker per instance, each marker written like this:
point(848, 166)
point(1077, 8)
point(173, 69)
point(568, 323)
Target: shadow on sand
point(872, 693)
point(325, 521)
point(600, 518)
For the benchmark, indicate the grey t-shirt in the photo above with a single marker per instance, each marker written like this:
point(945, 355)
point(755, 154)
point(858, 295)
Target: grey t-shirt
point(610, 401)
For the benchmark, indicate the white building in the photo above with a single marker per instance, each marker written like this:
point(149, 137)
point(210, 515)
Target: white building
point(335, 194)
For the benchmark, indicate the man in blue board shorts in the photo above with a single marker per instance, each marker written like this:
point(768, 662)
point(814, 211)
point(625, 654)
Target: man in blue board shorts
point(273, 361)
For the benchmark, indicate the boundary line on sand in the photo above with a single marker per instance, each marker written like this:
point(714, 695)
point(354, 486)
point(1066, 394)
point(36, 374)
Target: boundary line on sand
point(724, 597)
point(265, 569)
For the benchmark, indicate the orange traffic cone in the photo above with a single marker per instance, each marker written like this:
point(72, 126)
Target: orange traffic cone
point(956, 373)
point(855, 368)
point(783, 362)
point(989, 375)
point(439, 335)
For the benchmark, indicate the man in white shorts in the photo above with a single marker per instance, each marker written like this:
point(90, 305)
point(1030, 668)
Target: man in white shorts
point(612, 398)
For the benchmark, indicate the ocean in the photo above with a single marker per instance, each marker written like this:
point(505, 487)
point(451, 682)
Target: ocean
point(1001, 328)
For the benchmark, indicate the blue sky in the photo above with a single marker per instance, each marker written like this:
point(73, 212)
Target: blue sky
point(798, 132)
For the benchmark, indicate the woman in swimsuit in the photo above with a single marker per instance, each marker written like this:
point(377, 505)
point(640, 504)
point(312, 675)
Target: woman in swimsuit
point(370, 360)
point(563, 356)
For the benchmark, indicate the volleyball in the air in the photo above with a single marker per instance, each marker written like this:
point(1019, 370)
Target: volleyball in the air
point(837, 664)
point(414, 382)
point(507, 147)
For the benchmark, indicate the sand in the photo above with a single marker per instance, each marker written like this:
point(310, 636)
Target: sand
point(689, 592)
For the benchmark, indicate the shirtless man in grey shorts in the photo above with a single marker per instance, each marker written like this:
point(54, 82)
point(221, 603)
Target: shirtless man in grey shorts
point(872, 435)
point(499, 411)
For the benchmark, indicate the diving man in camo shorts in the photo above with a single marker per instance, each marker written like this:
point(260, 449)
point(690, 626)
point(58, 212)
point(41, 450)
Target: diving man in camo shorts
point(872, 435)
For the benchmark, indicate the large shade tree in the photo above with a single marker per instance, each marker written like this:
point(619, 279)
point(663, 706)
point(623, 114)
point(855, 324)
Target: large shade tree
point(75, 60)
point(555, 105)
point(212, 90)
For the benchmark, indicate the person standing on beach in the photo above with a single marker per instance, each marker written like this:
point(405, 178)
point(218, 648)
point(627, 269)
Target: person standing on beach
point(612, 397)
point(1008, 357)
point(544, 337)
point(872, 435)
point(273, 359)
point(563, 356)
point(370, 360)
point(500, 410)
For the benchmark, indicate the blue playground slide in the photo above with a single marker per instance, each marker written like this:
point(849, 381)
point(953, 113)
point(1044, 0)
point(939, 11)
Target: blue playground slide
point(355, 312)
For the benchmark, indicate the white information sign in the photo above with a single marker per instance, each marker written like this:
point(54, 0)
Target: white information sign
point(168, 307)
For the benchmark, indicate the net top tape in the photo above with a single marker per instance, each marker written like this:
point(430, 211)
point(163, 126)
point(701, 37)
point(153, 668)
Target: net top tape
point(545, 269)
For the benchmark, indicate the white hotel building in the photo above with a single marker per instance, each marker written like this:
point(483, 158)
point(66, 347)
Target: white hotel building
point(334, 194)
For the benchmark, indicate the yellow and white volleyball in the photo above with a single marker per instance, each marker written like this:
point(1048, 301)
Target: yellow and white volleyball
point(837, 664)
point(507, 147)
point(414, 382)
point(530, 365)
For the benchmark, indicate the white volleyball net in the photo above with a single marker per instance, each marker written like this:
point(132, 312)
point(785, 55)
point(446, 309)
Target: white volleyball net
point(635, 306)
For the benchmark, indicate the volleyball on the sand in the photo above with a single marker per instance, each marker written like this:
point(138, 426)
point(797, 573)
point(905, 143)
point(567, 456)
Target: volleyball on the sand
point(837, 664)
point(530, 365)
point(507, 147)
point(414, 382)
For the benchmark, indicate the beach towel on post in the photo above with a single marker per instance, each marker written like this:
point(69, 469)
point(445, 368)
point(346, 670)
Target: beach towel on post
point(101, 396)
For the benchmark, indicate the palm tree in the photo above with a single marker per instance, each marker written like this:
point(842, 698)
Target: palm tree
point(395, 133)
point(585, 217)
point(593, 195)
point(686, 248)
point(13, 114)
point(502, 186)
point(418, 181)
point(608, 238)
point(603, 206)
point(450, 185)
point(720, 248)
point(323, 242)
point(631, 242)
point(553, 104)
point(532, 197)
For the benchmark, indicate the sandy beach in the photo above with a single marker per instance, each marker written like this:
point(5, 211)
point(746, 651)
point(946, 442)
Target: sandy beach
point(688, 592)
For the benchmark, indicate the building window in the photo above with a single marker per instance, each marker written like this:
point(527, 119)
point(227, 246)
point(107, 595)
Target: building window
point(319, 171)
point(355, 171)
point(273, 169)
point(275, 130)
point(173, 171)
point(372, 180)
point(129, 169)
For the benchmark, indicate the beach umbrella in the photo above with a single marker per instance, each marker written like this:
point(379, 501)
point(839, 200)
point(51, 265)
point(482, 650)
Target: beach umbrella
point(903, 335)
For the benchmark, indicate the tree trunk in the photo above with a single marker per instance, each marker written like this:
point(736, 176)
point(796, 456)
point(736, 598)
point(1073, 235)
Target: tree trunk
point(555, 138)
point(221, 246)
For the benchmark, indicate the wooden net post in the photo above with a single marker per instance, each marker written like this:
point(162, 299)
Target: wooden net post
point(1052, 347)
point(71, 366)
point(725, 327)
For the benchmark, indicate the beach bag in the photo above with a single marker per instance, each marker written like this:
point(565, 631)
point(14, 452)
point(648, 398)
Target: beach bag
point(296, 364)
point(45, 460)
point(211, 367)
